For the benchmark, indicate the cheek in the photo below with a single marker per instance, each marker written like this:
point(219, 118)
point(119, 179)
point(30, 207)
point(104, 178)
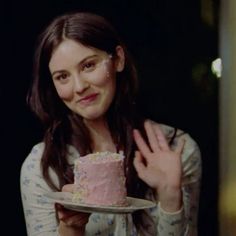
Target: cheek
point(102, 77)
point(64, 92)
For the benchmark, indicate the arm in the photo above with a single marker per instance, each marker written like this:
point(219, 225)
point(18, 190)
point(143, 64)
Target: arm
point(191, 185)
point(39, 213)
point(174, 172)
point(186, 219)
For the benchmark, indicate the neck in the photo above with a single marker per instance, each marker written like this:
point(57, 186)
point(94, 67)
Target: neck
point(100, 135)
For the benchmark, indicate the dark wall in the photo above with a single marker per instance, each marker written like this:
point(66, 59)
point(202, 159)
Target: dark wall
point(173, 49)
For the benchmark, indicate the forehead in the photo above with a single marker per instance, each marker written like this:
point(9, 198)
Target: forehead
point(71, 51)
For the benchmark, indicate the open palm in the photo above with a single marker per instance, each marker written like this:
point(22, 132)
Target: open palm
point(157, 164)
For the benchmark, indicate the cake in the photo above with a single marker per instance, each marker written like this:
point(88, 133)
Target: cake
point(99, 179)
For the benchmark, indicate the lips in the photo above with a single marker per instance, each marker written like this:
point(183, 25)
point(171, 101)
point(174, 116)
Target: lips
point(88, 99)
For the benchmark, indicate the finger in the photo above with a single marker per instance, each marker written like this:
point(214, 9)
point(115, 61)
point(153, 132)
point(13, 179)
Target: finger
point(162, 142)
point(78, 220)
point(180, 146)
point(152, 138)
point(63, 214)
point(58, 206)
point(139, 165)
point(141, 144)
point(68, 188)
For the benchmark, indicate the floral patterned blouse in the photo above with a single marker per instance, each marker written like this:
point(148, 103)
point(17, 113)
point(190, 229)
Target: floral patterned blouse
point(40, 213)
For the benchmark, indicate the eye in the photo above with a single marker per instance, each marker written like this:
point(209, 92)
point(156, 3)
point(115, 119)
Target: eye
point(63, 77)
point(89, 66)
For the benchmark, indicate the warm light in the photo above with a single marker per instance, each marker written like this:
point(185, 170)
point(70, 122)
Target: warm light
point(216, 67)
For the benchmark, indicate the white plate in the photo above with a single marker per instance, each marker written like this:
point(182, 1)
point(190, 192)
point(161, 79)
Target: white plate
point(64, 198)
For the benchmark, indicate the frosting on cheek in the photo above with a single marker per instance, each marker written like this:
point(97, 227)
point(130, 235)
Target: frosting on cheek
point(106, 64)
point(101, 77)
point(108, 74)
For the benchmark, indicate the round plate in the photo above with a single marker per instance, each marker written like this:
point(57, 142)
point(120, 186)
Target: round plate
point(134, 204)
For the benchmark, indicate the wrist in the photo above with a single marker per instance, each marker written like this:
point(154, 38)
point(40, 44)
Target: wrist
point(170, 199)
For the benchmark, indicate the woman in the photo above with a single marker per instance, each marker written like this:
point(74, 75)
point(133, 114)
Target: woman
point(84, 92)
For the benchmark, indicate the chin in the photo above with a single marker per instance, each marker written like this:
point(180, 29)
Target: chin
point(95, 114)
point(92, 114)
point(92, 117)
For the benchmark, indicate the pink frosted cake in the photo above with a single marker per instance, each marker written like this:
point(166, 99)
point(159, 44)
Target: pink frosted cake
point(100, 179)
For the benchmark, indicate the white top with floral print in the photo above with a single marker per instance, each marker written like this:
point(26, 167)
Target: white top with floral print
point(40, 213)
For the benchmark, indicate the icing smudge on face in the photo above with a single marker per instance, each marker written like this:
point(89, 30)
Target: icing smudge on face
point(105, 64)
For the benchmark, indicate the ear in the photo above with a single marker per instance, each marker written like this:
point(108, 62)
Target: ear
point(120, 58)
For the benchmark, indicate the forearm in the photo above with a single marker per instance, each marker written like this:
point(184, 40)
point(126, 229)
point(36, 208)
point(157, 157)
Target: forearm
point(64, 230)
point(171, 223)
point(171, 212)
point(184, 220)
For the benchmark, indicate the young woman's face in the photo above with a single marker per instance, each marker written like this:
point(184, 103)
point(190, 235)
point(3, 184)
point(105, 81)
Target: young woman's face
point(84, 78)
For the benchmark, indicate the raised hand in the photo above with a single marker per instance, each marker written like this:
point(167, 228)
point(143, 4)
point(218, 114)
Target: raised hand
point(160, 166)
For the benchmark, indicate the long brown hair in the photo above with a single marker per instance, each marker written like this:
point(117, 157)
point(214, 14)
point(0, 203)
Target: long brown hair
point(62, 126)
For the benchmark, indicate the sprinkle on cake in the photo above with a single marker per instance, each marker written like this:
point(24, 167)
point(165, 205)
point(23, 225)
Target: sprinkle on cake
point(100, 180)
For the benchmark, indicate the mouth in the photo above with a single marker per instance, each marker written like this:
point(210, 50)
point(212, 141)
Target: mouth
point(88, 99)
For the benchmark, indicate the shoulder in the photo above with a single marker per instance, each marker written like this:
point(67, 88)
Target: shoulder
point(30, 169)
point(34, 158)
point(174, 134)
point(191, 155)
point(31, 179)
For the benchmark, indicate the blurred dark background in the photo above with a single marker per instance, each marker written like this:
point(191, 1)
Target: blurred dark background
point(173, 44)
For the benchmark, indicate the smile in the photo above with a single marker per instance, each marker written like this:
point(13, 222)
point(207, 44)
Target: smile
point(88, 99)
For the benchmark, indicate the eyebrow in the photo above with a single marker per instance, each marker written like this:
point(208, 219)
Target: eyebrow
point(81, 62)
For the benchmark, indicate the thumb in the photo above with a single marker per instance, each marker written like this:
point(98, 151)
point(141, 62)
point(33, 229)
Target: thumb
point(68, 188)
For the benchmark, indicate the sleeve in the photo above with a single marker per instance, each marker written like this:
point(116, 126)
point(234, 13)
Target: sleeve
point(184, 221)
point(192, 172)
point(39, 213)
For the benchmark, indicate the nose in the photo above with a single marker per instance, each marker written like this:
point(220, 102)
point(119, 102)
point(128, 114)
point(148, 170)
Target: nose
point(80, 84)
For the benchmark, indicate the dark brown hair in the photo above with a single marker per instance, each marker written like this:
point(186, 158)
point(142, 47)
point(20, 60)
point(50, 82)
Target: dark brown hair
point(62, 126)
